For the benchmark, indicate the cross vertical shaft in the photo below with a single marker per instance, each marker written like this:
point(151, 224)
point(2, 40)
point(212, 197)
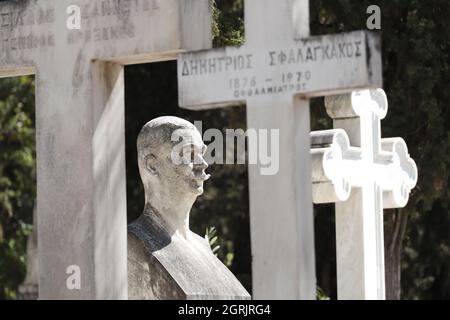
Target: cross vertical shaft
point(275, 72)
point(359, 220)
point(282, 229)
point(95, 182)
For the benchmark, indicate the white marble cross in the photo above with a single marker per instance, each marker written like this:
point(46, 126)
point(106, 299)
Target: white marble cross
point(275, 73)
point(81, 194)
point(363, 173)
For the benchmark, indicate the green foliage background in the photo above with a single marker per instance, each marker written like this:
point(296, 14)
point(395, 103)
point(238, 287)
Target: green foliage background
point(416, 49)
point(17, 178)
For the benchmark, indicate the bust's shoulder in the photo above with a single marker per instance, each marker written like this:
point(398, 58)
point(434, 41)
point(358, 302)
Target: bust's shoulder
point(200, 240)
point(137, 227)
point(147, 277)
point(148, 234)
point(134, 244)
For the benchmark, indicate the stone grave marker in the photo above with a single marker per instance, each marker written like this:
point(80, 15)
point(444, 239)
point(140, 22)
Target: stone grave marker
point(275, 72)
point(81, 196)
point(364, 174)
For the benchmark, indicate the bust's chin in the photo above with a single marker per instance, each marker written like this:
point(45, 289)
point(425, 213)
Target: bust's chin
point(196, 187)
point(199, 191)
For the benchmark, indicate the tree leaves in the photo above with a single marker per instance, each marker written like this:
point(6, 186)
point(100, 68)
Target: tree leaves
point(17, 178)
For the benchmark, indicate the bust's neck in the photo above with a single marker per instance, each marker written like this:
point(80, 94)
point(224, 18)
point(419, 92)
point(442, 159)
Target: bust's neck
point(172, 215)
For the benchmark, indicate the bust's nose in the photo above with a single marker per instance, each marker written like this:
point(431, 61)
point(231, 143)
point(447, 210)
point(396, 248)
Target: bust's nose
point(200, 163)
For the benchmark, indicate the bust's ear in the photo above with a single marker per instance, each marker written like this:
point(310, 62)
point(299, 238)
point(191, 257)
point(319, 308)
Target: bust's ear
point(150, 164)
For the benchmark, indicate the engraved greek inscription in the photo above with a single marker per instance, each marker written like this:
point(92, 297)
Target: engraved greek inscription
point(5, 19)
point(290, 82)
point(341, 49)
point(31, 42)
point(13, 43)
point(10, 20)
point(309, 55)
point(286, 77)
point(109, 8)
point(203, 68)
point(228, 62)
point(315, 51)
point(120, 8)
point(282, 57)
point(249, 61)
point(308, 75)
point(242, 82)
point(213, 65)
point(28, 42)
point(299, 55)
point(358, 52)
point(30, 19)
point(241, 62)
point(220, 60)
point(88, 12)
point(272, 58)
point(349, 50)
point(291, 58)
point(325, 53)
point(333, 52)
point(98, 34)
point(295, 76)
point(185, 70)
point(194, 66)
point(45, 16)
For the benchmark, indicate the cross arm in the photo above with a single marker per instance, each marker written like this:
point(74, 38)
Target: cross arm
point(403, 177)
point(313, 66)
point(339, 165)
point(328, 150)
point(124, 32)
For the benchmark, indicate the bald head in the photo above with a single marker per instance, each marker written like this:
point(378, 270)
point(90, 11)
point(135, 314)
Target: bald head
point(158, 132)
point(155, 144)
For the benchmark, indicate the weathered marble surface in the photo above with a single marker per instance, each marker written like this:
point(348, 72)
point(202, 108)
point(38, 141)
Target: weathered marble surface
point(363, 173)
point(278, 68)
point(29, 289)
point(80, 139)
point(165, 259)
point(299, 67)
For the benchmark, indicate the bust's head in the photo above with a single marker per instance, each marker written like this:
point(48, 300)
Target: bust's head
point(170, 158)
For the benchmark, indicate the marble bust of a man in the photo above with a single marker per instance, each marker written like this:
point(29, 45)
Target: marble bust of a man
point(165, 259)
